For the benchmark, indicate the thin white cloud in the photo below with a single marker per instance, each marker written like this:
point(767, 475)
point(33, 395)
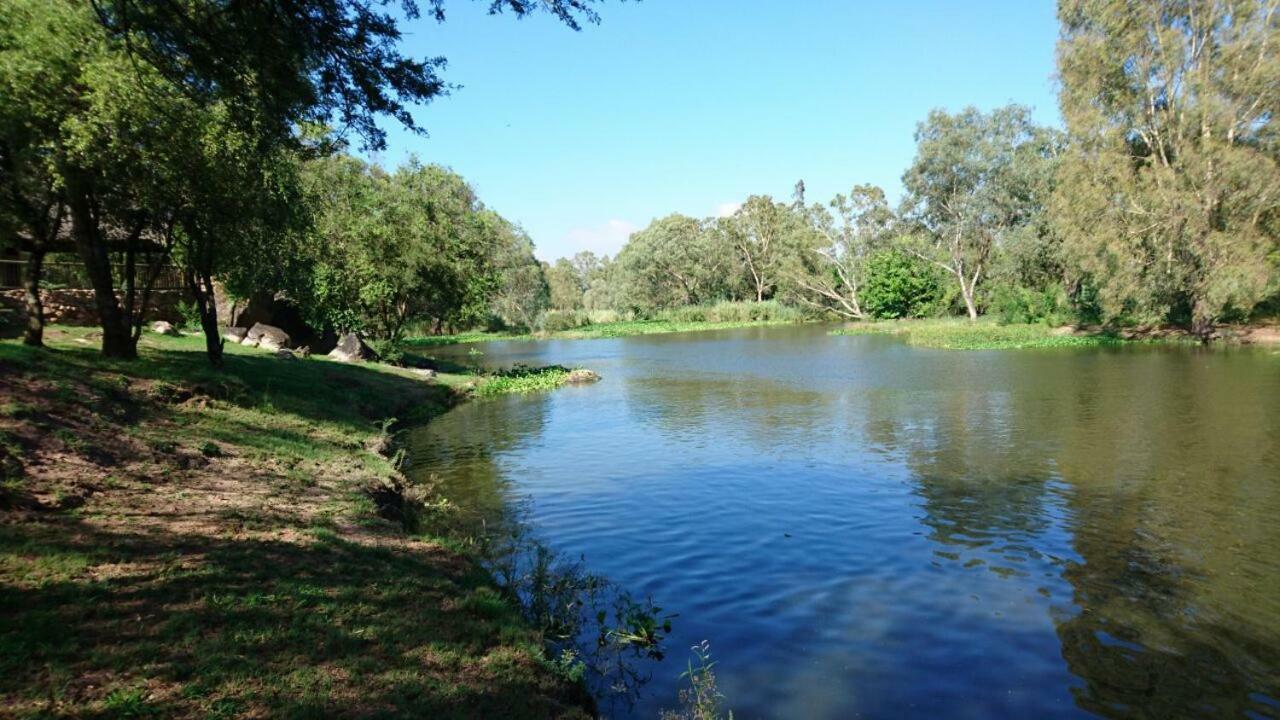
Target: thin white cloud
point(606, 239)
point(727, 208)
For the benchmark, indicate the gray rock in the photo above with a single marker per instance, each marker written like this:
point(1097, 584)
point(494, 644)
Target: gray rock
point(162, 327)
point(583, 375)
point(234, 334)
point(267, 336)
point(352, 349)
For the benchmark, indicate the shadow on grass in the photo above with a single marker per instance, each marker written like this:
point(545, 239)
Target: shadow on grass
point(105, 623)
point(316, 390)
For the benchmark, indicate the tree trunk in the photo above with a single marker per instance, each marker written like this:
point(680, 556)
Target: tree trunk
point(34, 334)
point(968, 304)
point(201, 287)
point(117, 340)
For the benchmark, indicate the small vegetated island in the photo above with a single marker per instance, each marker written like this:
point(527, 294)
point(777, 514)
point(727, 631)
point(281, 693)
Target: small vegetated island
point(202, 512)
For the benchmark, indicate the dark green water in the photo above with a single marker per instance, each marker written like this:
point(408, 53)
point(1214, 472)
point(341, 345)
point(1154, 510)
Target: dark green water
point(861, 528)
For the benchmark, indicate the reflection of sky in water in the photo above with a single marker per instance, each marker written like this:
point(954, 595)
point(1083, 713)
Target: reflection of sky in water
point(859, 526)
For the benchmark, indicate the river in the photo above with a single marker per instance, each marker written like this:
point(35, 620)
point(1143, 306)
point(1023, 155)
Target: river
point(863, 528)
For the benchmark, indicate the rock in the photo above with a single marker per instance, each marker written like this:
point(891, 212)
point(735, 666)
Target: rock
point(425, 373)
point(234, 334)
point(251, 342)
point(267, 336)
point(352, 349)
point(583, 375)
point(161, 327)
point(285, 354)
point(302, 351)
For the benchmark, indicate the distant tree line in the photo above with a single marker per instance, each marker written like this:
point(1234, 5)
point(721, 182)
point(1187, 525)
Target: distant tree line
point(1159, 203)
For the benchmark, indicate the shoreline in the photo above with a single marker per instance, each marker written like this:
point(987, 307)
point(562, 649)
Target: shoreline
point(248, 518)
point(988, 334)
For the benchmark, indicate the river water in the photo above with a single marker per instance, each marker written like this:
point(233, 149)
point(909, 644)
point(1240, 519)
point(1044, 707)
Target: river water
point(865, 529)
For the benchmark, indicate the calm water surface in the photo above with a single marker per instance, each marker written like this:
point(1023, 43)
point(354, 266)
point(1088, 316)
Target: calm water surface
point(861, 528)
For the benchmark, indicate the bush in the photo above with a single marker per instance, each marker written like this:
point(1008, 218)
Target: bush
point(557, 320)
point(189, 316)
point(390, 352)
point(727, 311)
point(899, 286)
point(1020, 305)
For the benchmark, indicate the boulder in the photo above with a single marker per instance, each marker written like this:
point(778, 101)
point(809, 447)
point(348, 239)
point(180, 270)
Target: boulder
point(351, 348)
point(267, 336)
point(583, 375)
point(234, 334)
point(161, 327)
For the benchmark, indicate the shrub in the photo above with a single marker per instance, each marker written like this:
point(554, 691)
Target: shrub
point(1021, 305)
point(557, 320)
point(899, 286)
point(390, 352)
point(188, 315)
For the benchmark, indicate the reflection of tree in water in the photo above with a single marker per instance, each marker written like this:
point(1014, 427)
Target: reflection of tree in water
point(1165, 465)
point(1144, 642)
point(459, 453)
point(763, 413)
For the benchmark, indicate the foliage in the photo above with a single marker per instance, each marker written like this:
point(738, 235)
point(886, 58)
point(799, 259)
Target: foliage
point(976, 179)
point(523, 379)
point(675, 261)
point(702, 700)
point(1022, 305)
point(898, 285)
point(1167, 196)
point(831, 277)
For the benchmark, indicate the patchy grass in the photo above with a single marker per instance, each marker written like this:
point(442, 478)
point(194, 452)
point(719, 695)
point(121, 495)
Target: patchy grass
point(960, 334)
point(182, 542)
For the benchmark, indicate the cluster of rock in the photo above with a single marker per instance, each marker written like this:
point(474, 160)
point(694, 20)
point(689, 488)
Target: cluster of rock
point(350, 347)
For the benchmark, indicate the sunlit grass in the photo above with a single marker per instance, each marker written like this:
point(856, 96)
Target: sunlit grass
point(961, 334)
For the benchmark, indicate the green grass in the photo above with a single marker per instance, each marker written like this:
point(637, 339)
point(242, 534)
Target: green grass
point(622, 328)
point(222, 558)
point(961, 334)
point(523, 379)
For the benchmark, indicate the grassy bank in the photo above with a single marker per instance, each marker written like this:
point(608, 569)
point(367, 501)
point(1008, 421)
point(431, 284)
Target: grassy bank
point(986, 334)
point(583, 325)
point(180, 542)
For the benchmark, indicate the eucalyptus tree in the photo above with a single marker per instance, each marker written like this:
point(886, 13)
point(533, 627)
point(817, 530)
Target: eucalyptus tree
point(1167, 199)
point(521, 293)
point(763, 233)
point(829, 275)
point(676, 260)
point(565, 284)
point(976, 179)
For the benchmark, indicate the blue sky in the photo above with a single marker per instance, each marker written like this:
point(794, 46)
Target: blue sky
point(692, 105)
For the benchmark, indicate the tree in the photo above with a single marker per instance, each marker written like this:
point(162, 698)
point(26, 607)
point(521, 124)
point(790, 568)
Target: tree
point(898, 285)
point(676, 260)
point(973, 183)
point(389, 249)
point(830, 275)
point(1167, 199)
point(763, 232)
point(565, 285)
point(522, 291)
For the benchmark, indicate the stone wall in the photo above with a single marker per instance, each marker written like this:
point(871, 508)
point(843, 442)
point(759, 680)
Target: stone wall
point(76, 307)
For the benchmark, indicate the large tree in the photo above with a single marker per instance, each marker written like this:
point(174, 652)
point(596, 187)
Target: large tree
point(1168, 197)
point(974, 181)
point(829, 274)
point(676, 260)
point(763, 232)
